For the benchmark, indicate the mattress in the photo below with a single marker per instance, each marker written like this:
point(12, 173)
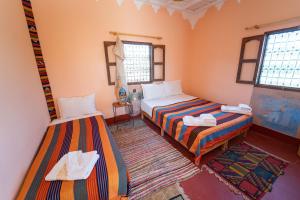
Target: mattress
point(108, 179)
point(198, 139)
point(148, 105)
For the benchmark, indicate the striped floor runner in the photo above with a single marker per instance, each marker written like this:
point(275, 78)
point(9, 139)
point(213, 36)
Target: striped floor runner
point(152, 162)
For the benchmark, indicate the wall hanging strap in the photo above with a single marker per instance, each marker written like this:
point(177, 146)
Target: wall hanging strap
point(39, 57)
point(135, 35)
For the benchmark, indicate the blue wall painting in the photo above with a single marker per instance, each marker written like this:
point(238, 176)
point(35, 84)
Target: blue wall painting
point(277, 110)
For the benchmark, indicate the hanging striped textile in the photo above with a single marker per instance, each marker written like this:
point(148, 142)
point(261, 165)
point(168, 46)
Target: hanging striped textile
point(39, 57)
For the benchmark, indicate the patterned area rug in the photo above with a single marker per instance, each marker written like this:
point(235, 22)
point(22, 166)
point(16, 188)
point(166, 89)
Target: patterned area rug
point(152, 162)
point(247, 170)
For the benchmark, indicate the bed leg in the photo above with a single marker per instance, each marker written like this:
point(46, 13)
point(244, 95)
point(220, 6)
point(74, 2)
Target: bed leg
point(162, 132)
point(225, 146)
point(245, 133)
point(197, 160)
point(142, 115)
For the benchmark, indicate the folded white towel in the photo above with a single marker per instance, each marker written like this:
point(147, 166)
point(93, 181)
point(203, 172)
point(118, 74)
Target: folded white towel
point(73, 162)
point(207, 118)
point(245, 107)
point(73, 166)
point(240, 109)
point(78, 163)
point(202, 120)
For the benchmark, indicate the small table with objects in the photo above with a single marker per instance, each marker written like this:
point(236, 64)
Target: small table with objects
point(128, 109)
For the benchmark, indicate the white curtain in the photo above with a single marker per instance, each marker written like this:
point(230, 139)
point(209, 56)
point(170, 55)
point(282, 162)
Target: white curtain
point(121, 89)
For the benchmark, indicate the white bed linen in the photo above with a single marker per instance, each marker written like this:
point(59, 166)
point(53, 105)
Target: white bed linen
point(148, 105)
point(59, 121)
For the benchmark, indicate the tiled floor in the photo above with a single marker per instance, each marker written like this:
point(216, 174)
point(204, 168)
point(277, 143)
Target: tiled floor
point(205, 186)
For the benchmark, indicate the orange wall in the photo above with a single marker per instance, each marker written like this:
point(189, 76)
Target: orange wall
point(72, 35)
point(24, 115)
point(216, 43)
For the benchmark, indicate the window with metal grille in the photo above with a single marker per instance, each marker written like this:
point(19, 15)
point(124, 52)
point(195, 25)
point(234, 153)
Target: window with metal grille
point(144, 62)
point(280, 65)
point(137, 62)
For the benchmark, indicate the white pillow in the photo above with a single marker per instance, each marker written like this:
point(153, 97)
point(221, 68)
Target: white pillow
point(76, 106)
point(153, 91)
point(172, 87)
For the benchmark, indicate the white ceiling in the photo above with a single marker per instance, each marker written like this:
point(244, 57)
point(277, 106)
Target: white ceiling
point(192, 10)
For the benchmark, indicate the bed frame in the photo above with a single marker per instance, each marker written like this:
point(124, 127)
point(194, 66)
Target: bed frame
point(197, 160)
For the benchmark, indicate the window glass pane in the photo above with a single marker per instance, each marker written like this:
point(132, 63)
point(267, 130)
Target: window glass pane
point(247, 71)
point(137, 62)
point(158, 72)
point(251, 49)
point(281, 62)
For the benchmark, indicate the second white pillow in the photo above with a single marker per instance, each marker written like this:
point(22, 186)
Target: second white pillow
point(172, 87)
point(153, 91)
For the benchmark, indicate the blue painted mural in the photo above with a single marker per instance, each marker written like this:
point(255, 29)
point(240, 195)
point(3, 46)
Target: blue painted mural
point(277, 110)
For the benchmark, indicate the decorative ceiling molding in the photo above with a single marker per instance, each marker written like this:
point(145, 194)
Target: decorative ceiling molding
point(193, 18)
point(219, 4)
point(120, 2)
point(170, 11)
point(191, 10)
point(155, 7)
point(138, 4)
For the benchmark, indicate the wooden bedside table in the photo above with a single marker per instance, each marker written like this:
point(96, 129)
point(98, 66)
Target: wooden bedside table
point(128, 108)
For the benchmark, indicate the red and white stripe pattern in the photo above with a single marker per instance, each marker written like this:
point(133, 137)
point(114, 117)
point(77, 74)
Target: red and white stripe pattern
point(152, 162)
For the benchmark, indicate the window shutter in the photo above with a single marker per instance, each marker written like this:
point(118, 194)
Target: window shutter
point(249, 59)
point(159, 62)
point(110, 62)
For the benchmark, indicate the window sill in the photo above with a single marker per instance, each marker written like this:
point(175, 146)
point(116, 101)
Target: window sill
point(277, 87)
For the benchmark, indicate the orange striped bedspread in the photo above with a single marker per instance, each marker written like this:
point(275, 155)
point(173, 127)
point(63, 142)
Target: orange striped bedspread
point(108, 179)
point(197, 139)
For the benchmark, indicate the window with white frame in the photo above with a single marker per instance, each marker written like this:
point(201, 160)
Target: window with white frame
point(280, 63)
point(137, 62)
point(274, 60)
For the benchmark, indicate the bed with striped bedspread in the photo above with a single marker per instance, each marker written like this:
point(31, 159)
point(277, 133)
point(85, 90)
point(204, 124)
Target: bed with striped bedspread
point(108, 179)
point(198, 139)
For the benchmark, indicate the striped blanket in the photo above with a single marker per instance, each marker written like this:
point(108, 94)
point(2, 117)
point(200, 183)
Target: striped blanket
point(197, 139)
point(108, 179)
